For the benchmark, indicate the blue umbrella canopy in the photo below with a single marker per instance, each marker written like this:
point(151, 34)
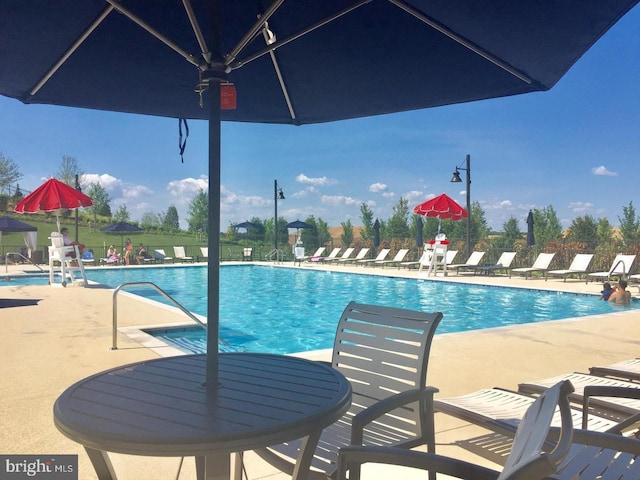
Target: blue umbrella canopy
point(8, 224)
point(531, 240)
point(289, 62)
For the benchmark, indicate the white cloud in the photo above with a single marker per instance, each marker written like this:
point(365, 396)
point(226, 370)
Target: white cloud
point(321, 181)
point(187, 186)
point(105, 180)
point(580, 207)
point(498, 205)
point(130, 192)
point(603, 171)
point(339, 200)
point(388, 194)
point(377, 187)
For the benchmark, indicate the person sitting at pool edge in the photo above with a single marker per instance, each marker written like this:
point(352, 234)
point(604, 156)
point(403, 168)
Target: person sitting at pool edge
point(606, 291)
point(620, 294)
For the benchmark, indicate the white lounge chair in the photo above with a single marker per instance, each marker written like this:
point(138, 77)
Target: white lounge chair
point(205, 252)
point(346, 254)
point(540, 265)
point(181, 255)
point(503, 263)
point(627, 370)
point(620, 267)
point(160, 256)
point(361, 254)
point(332, 255)
point(382, 255)
point(316, 255)
point(472, 262)
point(532, 455)
point(397, 260)
point(579, 266)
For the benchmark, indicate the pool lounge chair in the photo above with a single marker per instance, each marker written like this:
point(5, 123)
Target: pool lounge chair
point(307, 258)
point(620, 267)
point(160, 256)
point(384, 352)
point(204, 253)
point(579, 266)
point(346, 254)
point(540, 265)
point(626, 370)
point(181, 255)
point(332, 255)
point(395, 261)
point(361, 254)
point(532, 456)
point(503, 263)
point(382, 255)
point(472, 262)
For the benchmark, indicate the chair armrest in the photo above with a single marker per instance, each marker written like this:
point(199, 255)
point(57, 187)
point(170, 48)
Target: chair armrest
point(610, 391)
point(422, 395)
point(352, 457)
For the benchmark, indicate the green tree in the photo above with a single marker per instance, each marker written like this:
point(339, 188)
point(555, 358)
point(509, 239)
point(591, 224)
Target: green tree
point(101, 200)
point(171, 221)
point(9, 172)
point(122, 214)
point(509, 235)
point(546, 225)
point(584, 229)
point(68, 170)
point(151, 221)
point(347, 233)
point(198, 213)
point(605, 231)
point(629, 225)
point(366, 216)
point(18, 195)
point(398, 226)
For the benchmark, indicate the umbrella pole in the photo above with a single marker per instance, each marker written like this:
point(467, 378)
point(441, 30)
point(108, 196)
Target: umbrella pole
point(213, 265)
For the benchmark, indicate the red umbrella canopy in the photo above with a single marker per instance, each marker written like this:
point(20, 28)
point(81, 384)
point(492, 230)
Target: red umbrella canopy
point(53, 195)
point(441, 206)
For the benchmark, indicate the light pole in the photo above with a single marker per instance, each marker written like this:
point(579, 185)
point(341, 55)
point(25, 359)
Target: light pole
point(456, 179)
point(277, 195)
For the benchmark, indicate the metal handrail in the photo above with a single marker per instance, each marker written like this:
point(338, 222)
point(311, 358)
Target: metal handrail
point(21, 256)
point(278, 253)
point(624, 269)
point(161, 292)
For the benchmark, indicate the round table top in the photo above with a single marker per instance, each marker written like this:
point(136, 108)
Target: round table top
point(161, 408)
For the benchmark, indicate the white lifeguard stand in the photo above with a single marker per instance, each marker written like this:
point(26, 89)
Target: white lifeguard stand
point(435, 256)
point(68, 256)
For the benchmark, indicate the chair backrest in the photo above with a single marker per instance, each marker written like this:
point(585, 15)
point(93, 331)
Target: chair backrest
point(474, 258)
point(383, 351)
point(401, 254)
point(543, 261)
point(383, 254)
point(622, 264)
point(451, 254)
point(318, 252)
point(159, 254)
point(362, 253)
point(347, 253)
point(529, 457)
point(204, 251)
point(581, 262)
point(56, 240)
point(506, 259)
point(334, 253)
point(179, 252)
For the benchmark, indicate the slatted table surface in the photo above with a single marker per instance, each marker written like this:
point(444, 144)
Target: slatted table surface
point(161, 408)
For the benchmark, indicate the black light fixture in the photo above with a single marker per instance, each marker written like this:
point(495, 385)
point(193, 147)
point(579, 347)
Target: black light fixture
point(278, 194)
point(456, 179)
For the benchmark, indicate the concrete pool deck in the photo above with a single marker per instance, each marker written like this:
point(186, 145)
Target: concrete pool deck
point(66, 336)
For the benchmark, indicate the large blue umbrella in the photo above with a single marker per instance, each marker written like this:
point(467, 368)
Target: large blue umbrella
point(294, 62)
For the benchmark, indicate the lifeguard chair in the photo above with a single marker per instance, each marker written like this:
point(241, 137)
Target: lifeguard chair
point(68, 256)
point(435, 257)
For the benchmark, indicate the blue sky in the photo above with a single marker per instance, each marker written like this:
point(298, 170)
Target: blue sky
point(575, 147)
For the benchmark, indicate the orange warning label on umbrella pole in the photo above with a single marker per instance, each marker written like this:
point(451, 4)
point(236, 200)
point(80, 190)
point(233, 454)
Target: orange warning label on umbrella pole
point(227, 97)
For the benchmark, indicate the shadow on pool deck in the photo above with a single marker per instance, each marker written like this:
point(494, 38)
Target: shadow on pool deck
point(66, 336)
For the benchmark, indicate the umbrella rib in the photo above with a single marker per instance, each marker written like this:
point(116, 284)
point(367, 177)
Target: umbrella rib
point(137, 20)
point(233, 65)
point(197, 31)
point(462, 41)
point(65, 56)
point(269, 39)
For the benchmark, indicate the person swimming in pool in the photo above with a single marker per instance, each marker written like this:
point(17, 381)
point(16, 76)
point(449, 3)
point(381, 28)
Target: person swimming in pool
point(606, 292)
point(620, 295)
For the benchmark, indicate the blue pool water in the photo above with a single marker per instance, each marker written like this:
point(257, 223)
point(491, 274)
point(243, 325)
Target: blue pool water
point(283, 310)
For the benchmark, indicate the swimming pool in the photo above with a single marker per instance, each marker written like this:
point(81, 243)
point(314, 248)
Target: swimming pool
point(19, 280)
point(285, 310)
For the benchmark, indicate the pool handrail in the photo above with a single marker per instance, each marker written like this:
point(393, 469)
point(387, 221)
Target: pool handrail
point(6, 263)
point(114, 345)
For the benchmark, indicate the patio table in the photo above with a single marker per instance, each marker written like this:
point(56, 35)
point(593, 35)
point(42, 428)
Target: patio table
point(161, 408)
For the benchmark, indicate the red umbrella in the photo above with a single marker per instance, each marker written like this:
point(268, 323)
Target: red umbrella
point(441, 207)
point(53, 195)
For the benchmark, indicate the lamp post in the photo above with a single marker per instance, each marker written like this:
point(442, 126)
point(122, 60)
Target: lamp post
point(456, 179)
point(277, 195)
